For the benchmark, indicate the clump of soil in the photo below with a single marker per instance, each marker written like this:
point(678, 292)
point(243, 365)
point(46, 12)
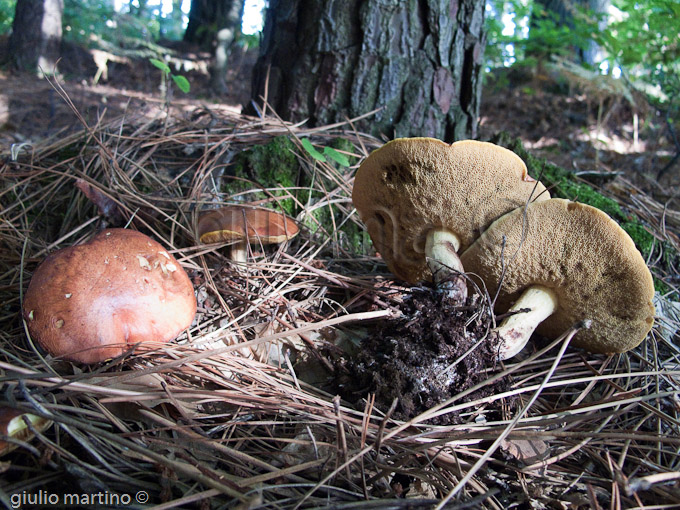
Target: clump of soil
point(416, 359)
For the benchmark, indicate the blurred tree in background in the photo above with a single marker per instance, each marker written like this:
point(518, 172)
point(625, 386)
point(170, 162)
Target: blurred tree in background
point(637, 41)
point(564, 27)
point(36, 35)
point(208, 17)
point(215, 25)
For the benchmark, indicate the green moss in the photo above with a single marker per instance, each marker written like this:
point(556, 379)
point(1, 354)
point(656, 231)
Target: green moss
point(564, 187)
point(642, 238)
point(275, 163)
point(350, 237)
point(319, 220)
point(660, 286)
point(272, 165)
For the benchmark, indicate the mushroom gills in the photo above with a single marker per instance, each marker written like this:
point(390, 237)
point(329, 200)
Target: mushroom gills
point(536, 304)
point(441, 252)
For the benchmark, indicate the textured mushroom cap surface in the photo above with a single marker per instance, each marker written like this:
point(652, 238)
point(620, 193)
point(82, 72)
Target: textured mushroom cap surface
point(94, 301)
point(234, 223)
point(411, 185)
point(585, 257)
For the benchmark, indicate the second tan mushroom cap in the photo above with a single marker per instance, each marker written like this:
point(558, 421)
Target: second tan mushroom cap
point(411, 186)
point(583, 257)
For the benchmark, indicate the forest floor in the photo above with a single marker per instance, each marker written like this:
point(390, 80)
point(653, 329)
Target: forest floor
point(257, 410)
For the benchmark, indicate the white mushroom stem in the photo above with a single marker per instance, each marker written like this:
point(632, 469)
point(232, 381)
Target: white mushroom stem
point(441, 252)
point(239, 252)
point(516, 329)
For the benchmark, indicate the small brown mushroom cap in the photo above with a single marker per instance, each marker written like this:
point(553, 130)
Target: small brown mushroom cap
point(94, 301)
point(584, 257)
point(236, 223)
point(412, 185)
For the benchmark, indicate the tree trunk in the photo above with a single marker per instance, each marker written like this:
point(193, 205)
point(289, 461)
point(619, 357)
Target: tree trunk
point(140, 9)
point(208, 17)
point(215, 26)
point(176, 15)
point(419, 61)
point(593, 53)
point(36, 35)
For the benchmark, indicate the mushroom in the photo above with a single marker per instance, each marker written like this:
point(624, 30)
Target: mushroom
point(12, 425)
point(244, 225)
point(562, 262)
point(93, 301)
point(423, 201)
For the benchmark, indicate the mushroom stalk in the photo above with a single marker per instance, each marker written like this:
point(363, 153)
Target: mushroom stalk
point(239, 252)
point(441, 251)
point(516, 330)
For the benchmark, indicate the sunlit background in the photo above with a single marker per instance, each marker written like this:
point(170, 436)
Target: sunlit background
point(252, 14)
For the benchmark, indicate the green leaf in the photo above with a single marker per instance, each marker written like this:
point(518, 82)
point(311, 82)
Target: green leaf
point(336, 156)
point(312, 151)
point(160, 65)
point(181, 82)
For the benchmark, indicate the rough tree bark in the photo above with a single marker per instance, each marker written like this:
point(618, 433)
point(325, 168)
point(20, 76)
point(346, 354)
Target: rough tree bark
point(35, 42)
point(215, 25)
point(419, 61)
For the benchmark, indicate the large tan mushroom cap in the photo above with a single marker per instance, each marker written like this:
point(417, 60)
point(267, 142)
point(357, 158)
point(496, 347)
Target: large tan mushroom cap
point(411, 185)
point(94, 301)
point(584, 257)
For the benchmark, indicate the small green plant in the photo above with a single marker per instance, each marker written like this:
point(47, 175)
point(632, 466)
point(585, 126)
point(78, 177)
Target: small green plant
point(180, 80)
point(328, 152)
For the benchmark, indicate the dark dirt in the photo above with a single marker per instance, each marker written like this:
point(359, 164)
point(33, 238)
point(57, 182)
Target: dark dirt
point(415, 359)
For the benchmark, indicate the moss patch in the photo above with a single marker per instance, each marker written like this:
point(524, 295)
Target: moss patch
point(272, 166)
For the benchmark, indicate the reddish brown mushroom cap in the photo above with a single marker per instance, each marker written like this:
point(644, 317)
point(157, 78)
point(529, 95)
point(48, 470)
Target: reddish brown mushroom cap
point(236, 223)
point(94, 301)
